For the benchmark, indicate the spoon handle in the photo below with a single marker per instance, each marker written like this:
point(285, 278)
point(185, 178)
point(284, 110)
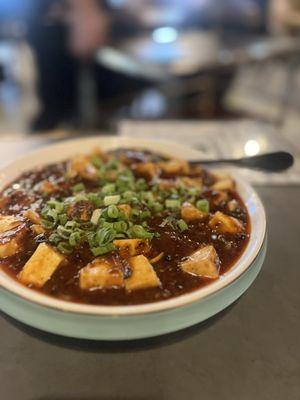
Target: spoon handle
point(272, 162)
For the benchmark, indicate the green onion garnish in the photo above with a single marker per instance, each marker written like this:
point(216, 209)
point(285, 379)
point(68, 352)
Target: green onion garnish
point(108, 200)
point(182, 225)
point(95, 216)
point(203, 205)
point(170, 203)
point(112, 211)
point(79, 187)
point(138, 231)
point(64, 248)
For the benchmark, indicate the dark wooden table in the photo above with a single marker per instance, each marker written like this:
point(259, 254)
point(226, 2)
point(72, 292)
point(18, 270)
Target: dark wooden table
point(249, 351)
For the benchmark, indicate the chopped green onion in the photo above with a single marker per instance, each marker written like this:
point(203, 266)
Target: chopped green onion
point(71, 224)
point(54, 238)
point(95, 199)
point(48, 224)
point(128, 195)
point(157, 207)
point(74, 239)
point(120, 226)
point(98, 251)
point(108, 200)
point(138, 231)
point(170, 220)
point(96, 161)
point(105, 235)
point(109, 188)
point(193, 191)
point(182, 225)
point(135, 212)
point(63, 218)
point(203, 205)
point(79, 187)
point(63, 232)
point(170, 203)
point(112, 211)
point(95, 216)
point(147, 196)
point(57, 205)
point(141, 184)
point(80, 197)
point(145, 214)
point(64, 248)
point(112, 164)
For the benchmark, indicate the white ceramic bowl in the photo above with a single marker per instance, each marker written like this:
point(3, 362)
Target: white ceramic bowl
point(128, 322)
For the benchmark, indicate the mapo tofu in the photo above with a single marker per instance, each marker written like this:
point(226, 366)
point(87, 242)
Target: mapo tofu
point(120, 228)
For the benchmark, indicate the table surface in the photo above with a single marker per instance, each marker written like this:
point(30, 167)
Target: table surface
point(250, 350)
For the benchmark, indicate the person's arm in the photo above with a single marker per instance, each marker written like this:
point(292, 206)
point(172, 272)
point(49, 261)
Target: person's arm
point(284, 16)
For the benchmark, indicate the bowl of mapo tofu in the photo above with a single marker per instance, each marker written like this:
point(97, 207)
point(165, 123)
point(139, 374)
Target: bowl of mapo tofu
point(120, 227)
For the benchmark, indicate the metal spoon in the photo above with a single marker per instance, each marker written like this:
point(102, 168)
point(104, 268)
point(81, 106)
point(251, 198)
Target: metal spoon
point(272, 162)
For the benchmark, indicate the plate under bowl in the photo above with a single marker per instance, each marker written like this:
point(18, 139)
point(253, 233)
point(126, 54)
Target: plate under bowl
point(140, 321)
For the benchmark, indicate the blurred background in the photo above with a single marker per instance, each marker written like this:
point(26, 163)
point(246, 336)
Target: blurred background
point(77, 66)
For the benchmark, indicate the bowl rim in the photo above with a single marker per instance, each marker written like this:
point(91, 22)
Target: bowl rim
point(62, 150)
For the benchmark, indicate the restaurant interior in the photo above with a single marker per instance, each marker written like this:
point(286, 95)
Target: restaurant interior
point(219, 76)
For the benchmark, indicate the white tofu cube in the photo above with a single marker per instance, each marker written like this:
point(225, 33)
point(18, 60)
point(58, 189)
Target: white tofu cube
point(41, 266)
point(125, 208)
point(8, 222)
point(174, 166)
point(204, 262)
point(10, 248)
point(191, 213)
point(143, 275)
point(12, 231)
point(223, 182)
point(33, 216)
point(132, 247)
point(147, 169)
point(225, 224)
point(100, 273)
point(81, 165)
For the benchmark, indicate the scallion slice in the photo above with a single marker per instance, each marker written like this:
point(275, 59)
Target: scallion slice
point(79, 187)
point(170, 203)
point(95, 216)
point(109, 200)
point(182, 225)
point(203, 205)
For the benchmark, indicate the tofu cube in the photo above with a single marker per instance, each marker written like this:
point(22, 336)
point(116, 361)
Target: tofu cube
point(191, 182)
point(47, 187)
point(10, 248)
point(223, 182)
point(125, 208)
point(147, 169)
point(81, 165)
point(12, 231)
point(33, 216)
point(225, 224)
point(41, 266)
point(204, 262)
point(132, 247)
point(219, 197)
point(8, 223)
point(143, 275)
point(37, 229)
point(174, 166)
point(100, 273)
point(191, 213)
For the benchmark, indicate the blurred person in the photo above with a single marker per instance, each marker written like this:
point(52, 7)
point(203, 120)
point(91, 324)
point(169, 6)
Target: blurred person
point(87, 21)
point(64, 34)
